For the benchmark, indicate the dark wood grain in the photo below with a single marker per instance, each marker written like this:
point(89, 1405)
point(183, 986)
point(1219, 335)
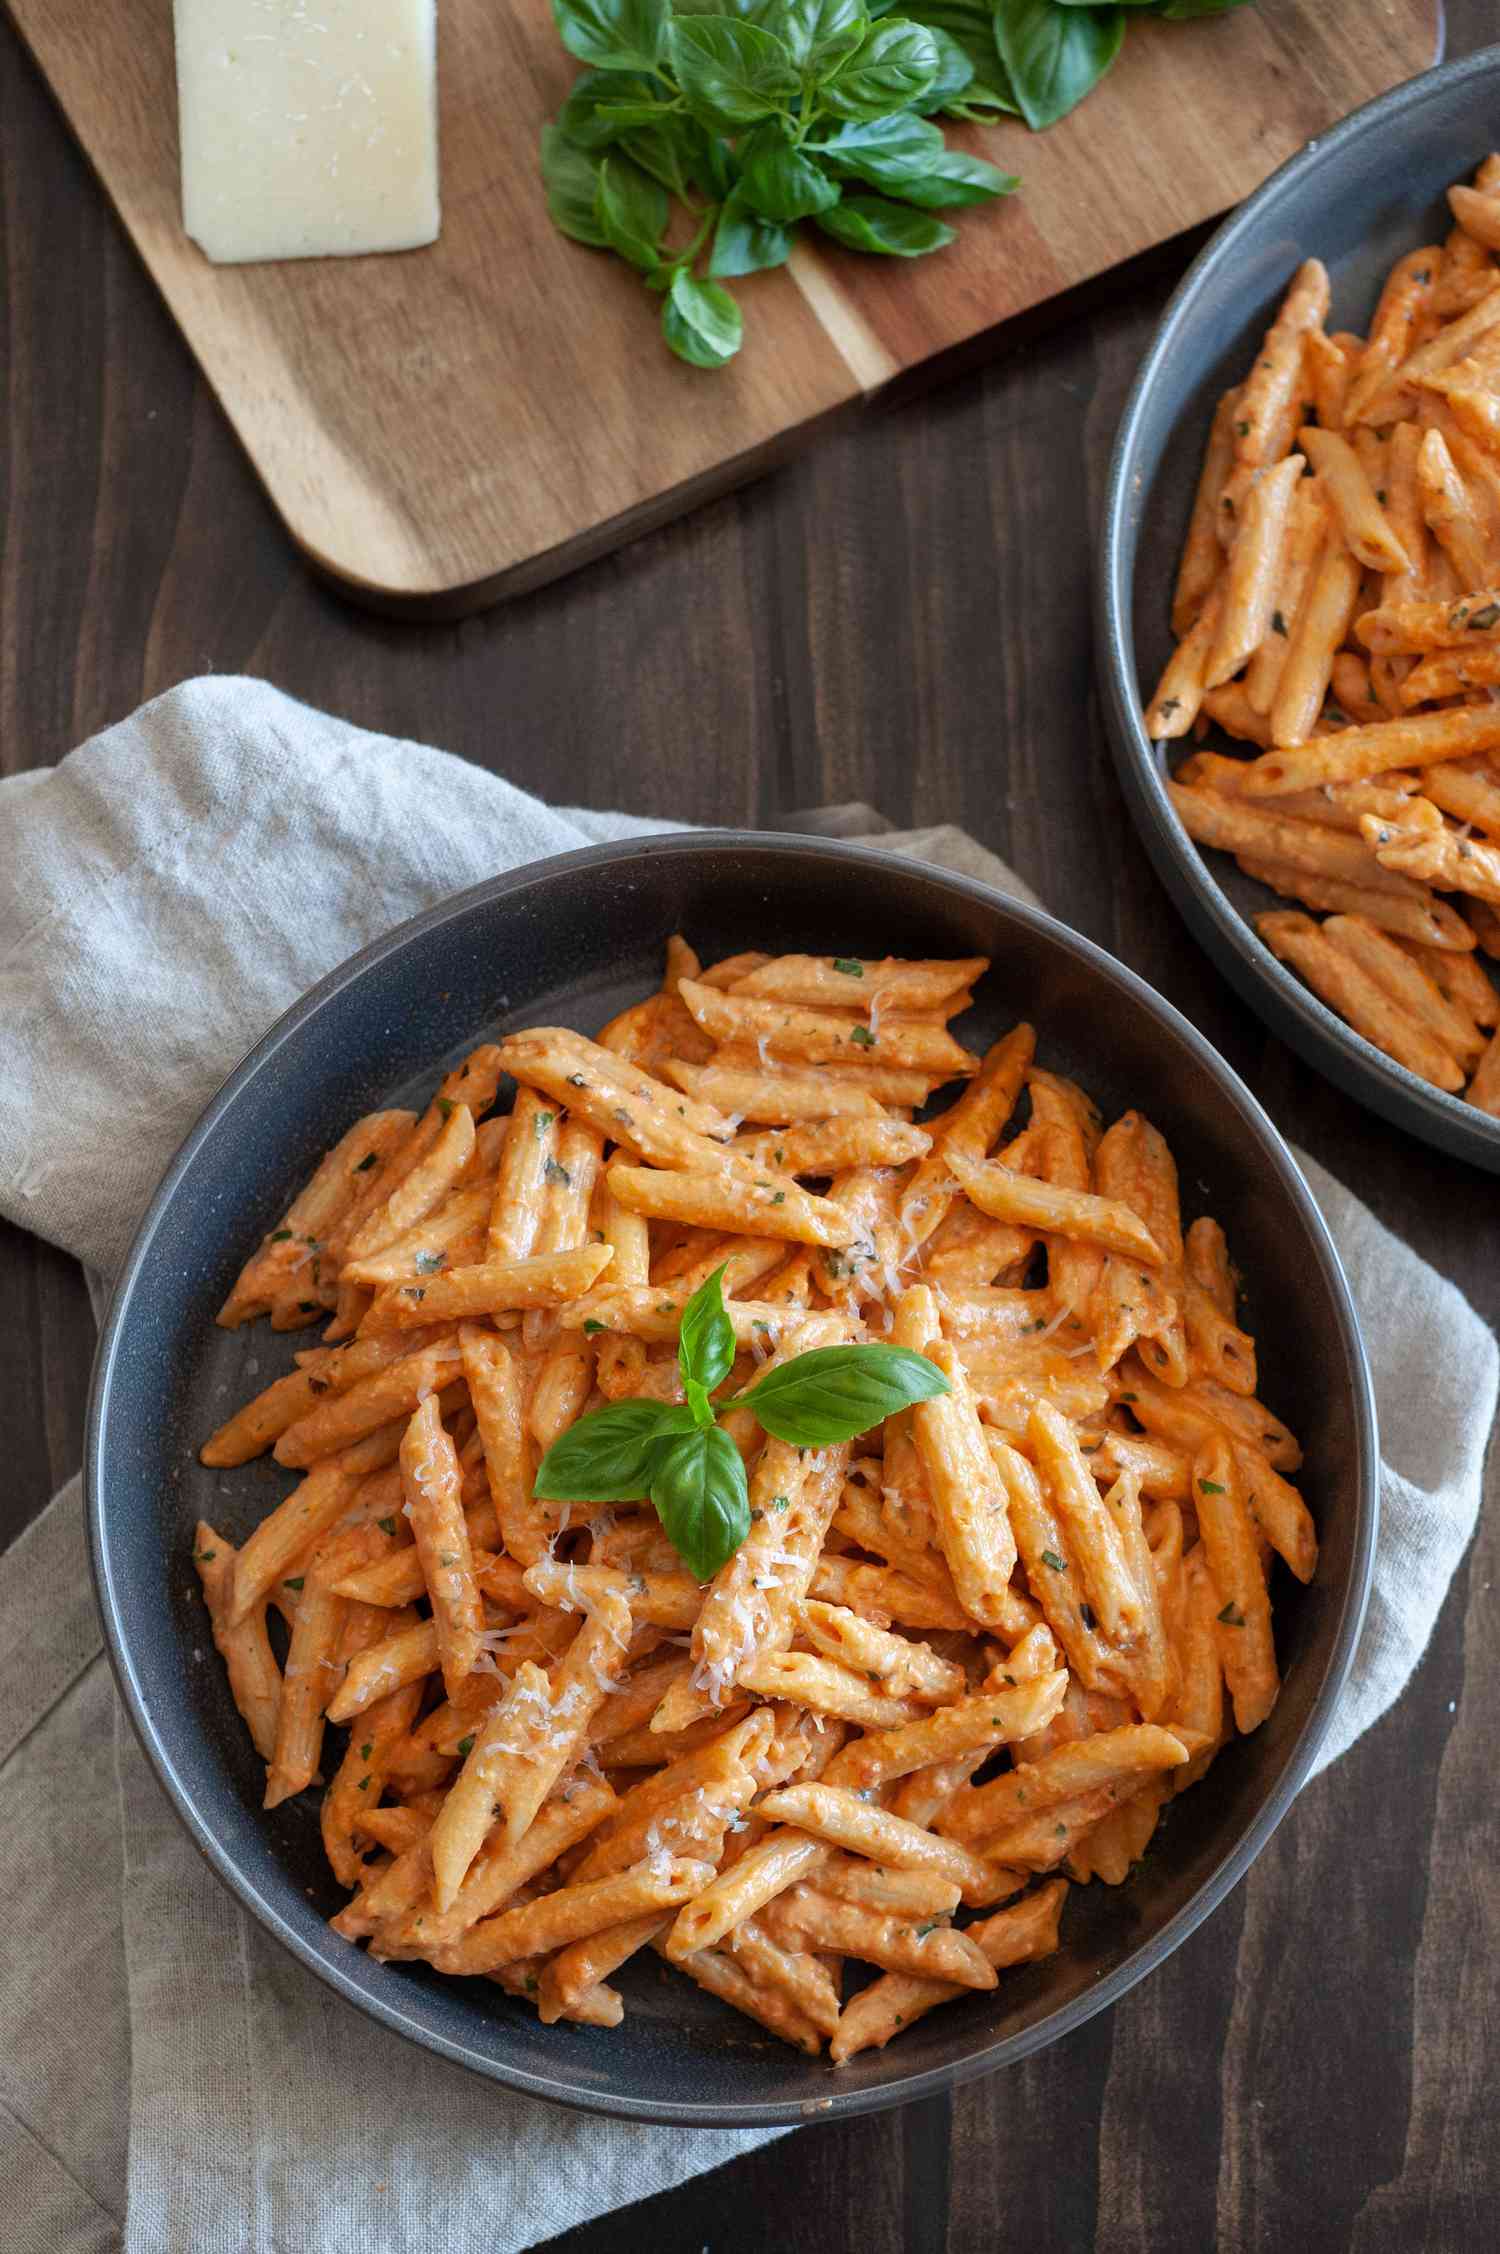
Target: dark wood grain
point(901, 617)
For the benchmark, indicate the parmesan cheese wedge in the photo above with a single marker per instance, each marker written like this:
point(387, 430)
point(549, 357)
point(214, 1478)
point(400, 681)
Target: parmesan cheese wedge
point(308, 127)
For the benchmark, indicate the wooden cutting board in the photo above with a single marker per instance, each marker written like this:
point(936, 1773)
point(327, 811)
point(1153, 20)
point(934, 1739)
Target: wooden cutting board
point(452, 425)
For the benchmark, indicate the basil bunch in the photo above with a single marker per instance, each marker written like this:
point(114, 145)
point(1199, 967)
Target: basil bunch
point(679, 1456)
point(758, 114)
point(755, 118)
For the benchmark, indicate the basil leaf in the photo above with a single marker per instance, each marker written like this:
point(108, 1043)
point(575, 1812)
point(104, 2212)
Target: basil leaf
point(778, 181)
point(571, 179)
point(665, 152)
point(632, 212)
point(953, 179)
point(970, 26)
point(892, 67)
point(732, 73)
point(604, 104)
point(611, 1456)
point(955, 72)
point(705, 1336)
point(883, 150)
point(613, 34)
point(819, 34)
point(709, 159)
point(836, 1392)
point(701, 322)
point(1055, 55)
point(745, 243)
point(702, 1499)
point(870, 223)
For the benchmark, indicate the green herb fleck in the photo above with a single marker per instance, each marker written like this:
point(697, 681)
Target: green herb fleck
point(279, 1236)
point(386, 1525)
point(1211, 1487)
point(592, 1327)
point(1231, 1616)
point(1058, 1564)
point(466, 1745)
point(849, 967)
point(365, 1163)
point(296, 1583)
point(862, 1037)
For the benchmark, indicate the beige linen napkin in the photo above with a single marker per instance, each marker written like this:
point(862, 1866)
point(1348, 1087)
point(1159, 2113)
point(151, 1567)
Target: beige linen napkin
point(169, 2078)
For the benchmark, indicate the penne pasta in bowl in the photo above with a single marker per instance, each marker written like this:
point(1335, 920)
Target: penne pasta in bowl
point(759, 1528)
point(1299, 588)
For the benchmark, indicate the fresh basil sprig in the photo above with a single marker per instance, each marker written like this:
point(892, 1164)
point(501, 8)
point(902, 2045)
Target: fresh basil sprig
point(677, 1455)
point(701, 136)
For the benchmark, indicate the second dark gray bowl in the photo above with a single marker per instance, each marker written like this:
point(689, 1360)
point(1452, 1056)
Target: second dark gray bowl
point(1360, 198)
point(571, 941)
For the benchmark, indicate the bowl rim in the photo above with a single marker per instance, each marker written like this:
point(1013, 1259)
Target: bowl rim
point(1317, 1033)
point(821, 2102)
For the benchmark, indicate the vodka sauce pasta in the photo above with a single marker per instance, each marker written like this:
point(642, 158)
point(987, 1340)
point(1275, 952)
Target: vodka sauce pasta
point(1337, 610)
point(736, 1518)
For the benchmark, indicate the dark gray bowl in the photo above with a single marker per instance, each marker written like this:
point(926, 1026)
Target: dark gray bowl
point(575, 939)
point(1361, 197)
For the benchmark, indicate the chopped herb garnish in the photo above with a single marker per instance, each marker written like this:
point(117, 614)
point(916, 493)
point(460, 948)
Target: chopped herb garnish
point(445, 1105)
point(364, 1784)
point(862, 1037)
point(543, 1121)
point(428, 1263)
point(1481, 620)
point(466, 1745)
point(365, 1163)
point(386, 1525)
point(1061, 1830)
point(1058, 1564)
point(931, 1926)
point(781, 1502)
point(279, 1236)
point(779, 1198)
point(1211, 1487)
point(553, 1172)
point(1278, 622)
point(366, 1750)
point(1242, 430)
point(295, 1584)
point(205, 1555)
point(1231, 1616)
point(592, 1327)
point(849, 967)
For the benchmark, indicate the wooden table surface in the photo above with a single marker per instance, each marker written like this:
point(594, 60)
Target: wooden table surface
point(902, 617)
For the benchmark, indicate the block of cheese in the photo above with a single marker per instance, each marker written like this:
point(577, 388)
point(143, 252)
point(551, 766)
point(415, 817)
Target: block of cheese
point(308, 127)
